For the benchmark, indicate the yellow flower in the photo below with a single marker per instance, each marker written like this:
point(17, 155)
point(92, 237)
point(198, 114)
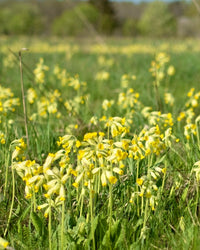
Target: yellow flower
point(100, 146)
point(112, 179)
point(171, 70)
point(62, 164)
point(46, 187)
point(75, 184)
point(103, 179)
point(51, 154)
point(30, 163)
point(3, 243)
point(78, 144)
point(148, 194)
point(139, 181)
point(118, 171)
point(28, 196)
point(101, 134)
point(3, 141)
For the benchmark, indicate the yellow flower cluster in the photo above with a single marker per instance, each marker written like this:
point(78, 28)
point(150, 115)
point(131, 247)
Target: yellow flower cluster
point(19, 147)
point(2, 138)
point(7, 101)
point(51, 176)
point(102, 76)
point(45, 101)
point(126, 79)
point(103, 61)
point(188, 116)
point(100, 158)
point(158, 67)
point(128, 100)
point(113, 147)
point(39, 72)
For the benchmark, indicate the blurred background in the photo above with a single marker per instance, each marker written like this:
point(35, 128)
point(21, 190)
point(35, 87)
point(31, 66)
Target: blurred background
point(157, 19)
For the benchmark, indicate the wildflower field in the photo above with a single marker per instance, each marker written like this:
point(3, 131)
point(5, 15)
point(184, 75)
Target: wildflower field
point(99, 144)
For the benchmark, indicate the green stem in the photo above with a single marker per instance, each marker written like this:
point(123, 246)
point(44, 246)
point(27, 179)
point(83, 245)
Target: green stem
point(145, 219)
point(49, 226)
point(163, 181)
point(156, 84)
point(142, 205)
point(110, 207)
point(108, 132)
point(6, 177)
point(145, 213)
point(91, 217)
point(48, 131)
point(81, 209)
point(137, 191)
point(34, 202)
point(62, 226)
point(99, 182)
point(12, 202)
point(197, 130)
point(197, 198)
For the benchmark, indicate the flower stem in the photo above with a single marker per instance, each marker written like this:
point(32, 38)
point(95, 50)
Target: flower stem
point(137, 174)
point(6, 177)
point(12, 202)
point(62, 226)
point(49, 225)
point(110, 208)
point(91, 217)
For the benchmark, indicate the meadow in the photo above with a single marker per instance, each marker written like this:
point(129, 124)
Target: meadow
point(99, 144)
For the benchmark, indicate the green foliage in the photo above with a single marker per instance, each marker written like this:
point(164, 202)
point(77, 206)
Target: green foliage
point(190, 10)
point(157, 21)
point(107, 20)
point(76, 21)
point(67, 24)
point(38, 224)
point(104, 6)
point(106, 24)
point(21, 19)
point(130, 27)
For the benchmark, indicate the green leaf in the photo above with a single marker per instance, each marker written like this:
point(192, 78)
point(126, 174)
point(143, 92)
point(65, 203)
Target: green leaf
point(106, 239)
point(114, 228)
point(184, 195)
point(37, 223)
point(94, 225)
point(122, 236)
point(139, 223)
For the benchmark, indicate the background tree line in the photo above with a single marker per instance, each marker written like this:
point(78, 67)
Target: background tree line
point(75, 18)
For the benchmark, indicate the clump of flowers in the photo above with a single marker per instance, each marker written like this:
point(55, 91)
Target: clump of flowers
point(39, 72)
point(102, 76)
point(7, 101)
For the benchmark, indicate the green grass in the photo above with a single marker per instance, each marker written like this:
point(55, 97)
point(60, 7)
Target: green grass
point(103, 218)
